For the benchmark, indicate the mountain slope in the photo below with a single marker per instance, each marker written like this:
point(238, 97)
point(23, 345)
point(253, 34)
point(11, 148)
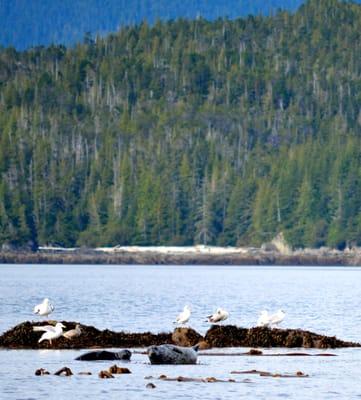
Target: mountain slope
point(224, 132)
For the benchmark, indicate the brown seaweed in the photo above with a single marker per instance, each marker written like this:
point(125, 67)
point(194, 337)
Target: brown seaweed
point(22, 336)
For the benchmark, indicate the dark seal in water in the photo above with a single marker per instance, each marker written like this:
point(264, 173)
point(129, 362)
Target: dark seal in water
point(105, 355)
point(170, 354)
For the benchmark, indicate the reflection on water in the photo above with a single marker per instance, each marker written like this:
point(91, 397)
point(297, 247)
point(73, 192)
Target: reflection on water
point(134, 298)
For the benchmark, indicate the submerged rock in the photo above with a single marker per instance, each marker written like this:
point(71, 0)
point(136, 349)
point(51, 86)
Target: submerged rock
point(65, 371)
point(41, 371)
point(105, 375)
point(298, 374)
point(210, 379)
point(114, 369)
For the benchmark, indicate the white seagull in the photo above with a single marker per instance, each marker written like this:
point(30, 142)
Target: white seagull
point(50, 332)
point(184, 316)
point(44, 309)
point(218, 316)
point(277, 318)
point(271, 321)
point(72, 333)
point(263, 319)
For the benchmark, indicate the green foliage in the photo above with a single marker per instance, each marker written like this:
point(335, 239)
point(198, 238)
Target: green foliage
point(222, 133)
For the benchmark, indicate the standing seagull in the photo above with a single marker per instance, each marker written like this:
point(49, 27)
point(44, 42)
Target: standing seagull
point(184, 316)
point(218, 316)
point(271, 321)
point(73, 332)
point(50, 332)
point(263, 319)
point(44, 309)
point(277, 318)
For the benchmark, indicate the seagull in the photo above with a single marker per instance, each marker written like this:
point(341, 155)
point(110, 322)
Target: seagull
point(277, 318)
point(184, 316)
point(271, 321)
point(44, 309)
point(218, 316)
point(73, 332)
point(263, 319)
point(50, 332)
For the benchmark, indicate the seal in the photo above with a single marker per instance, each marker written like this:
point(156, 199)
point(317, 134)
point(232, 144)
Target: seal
point(105, 355)
point(170, 354)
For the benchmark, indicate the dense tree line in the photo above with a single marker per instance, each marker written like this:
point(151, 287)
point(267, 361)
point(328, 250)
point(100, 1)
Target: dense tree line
point(224, 132)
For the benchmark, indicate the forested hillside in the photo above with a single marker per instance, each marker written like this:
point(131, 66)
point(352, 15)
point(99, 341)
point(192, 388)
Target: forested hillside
point(223, 132)
point(27, 23)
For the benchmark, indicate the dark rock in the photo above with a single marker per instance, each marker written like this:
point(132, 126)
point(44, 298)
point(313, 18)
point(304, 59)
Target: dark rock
point(186, 337)
point(170, 354)
point(255, 352)
point(307, 341)
point(22, 336)
point(105, 355)
point(41, 371)
point(232, 336)
point(65, 371)
point(294, 339)
point(150, 385)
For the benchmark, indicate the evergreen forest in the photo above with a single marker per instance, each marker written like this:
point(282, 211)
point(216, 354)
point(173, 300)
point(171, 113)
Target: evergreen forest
point(184, 132)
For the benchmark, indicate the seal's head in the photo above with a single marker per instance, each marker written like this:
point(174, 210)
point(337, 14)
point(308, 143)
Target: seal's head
point(155, 355)
point(123, 355)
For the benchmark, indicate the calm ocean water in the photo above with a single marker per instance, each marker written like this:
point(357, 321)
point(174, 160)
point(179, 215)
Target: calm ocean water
point(142, 298)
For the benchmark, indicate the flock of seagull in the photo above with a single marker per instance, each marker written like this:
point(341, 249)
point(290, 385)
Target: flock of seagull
point(54, 332)
point(265, 319)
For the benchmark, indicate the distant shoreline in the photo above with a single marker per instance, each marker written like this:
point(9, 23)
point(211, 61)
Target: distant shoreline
point(198, 255)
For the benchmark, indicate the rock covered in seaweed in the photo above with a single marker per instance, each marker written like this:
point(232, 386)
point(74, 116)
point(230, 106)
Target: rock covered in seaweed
point(22, 336)
point(186, 337)
point(233, 336)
